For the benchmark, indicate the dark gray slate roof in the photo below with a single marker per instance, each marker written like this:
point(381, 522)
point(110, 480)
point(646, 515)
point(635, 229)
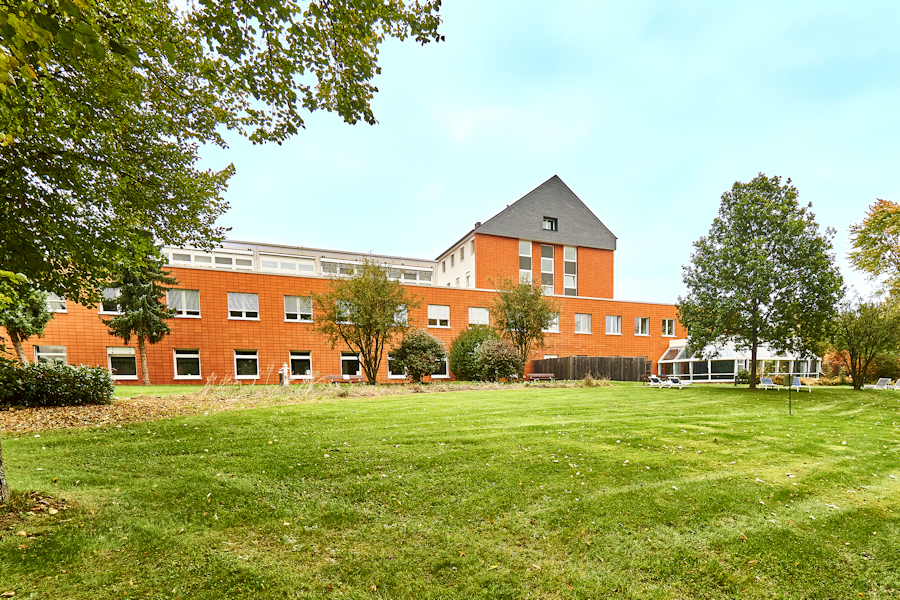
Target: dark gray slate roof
point(577, 225)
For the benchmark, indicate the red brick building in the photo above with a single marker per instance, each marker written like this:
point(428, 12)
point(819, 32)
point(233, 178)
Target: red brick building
point(244, 309)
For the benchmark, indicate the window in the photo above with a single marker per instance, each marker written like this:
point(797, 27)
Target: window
point(452, 260)
point(479, 316)
point(668, 327)
point(468, 279)
point(462, 253)
point(243, 306)
point(121, 363)
point(472, 249)
point(443, 266)
point(394, 373)
point(343, 312)
point(570, 271)
point(401, 317)
point(246, 364)
point(547, 269)
point(350, 364)
point(293, 266)
point(642, 326)
point(56, 304)
point(554, 326)
point(301, 365)
point(298, 308)
point(185, 303)
point(43, 354)
point(613, 325)
point(438, 316)
point(331, 267)
point(549, 356)
point(443, 372)
point(187, 364)
point(457, 282)
point(549, 224)
point(108, 304)
point(524, 261)
point(582, 323)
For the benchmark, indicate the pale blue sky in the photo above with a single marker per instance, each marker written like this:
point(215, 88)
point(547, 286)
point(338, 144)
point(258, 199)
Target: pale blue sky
point(648, 111)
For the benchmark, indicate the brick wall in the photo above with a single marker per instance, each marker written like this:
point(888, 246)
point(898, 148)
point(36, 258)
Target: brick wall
point(216, 336)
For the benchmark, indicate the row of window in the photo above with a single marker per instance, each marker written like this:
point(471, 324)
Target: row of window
point(122, 363)
point(570, 267)
point(462, 258)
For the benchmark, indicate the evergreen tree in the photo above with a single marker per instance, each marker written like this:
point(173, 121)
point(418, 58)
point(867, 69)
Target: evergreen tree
point(763, 274)
point(25, 317)
point(462, 351)
point(144, 312)
point(419, 353)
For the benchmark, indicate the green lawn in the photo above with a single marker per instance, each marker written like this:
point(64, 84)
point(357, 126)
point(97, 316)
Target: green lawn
point(131, 391)
point(620, 492)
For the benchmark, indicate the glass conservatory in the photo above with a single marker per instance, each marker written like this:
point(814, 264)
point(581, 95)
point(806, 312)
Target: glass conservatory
point(722, 363)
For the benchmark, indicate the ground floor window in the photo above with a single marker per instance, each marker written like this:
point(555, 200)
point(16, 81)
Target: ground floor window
point(613, 325)
point(246, 364)
point(122, 363)
point(443, 372)
point(187, 364)
point(301, 365)
point(350, 365)
point(50, 354)
point(395, 373)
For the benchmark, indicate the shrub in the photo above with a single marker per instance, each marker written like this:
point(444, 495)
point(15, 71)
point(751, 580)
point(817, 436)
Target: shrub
point(743, 376)
point(419, 353)
point(55, 384)
point(462, 351)
point(589, 381)
point(496, 360)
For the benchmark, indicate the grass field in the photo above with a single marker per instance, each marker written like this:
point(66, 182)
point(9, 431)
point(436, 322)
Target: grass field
point(624, 492)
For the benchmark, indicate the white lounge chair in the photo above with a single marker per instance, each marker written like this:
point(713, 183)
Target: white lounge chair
point(654, 381)
point(677, 382)
point(795, 383)
point(765, 383)
point(881, 385)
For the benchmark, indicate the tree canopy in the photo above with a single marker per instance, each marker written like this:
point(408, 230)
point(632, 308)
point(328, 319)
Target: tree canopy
point(105, 104)
point(26, 317)
point(366, 311)
point(876, 244)
point(419, 353)
point(763, 274)
point(521, 315)
point(863, 331)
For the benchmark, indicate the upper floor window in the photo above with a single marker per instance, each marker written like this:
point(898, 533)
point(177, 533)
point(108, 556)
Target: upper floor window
point(438, 315)
point(570, 271)
point(547, 269)
point(613, 325)
point(554, 325)
point(443, 266)
point(401, 317)
point(524, 261)
point(479, 316)
point(56, 304)
point(668, 327)
point(452, 260)
point(582, 323)
point(185, 303)
point(462, 253)
point(642, 326)
point(108, 302)
point(472, 249)
point(298, 308)
point(550, 224)
point(243, 306)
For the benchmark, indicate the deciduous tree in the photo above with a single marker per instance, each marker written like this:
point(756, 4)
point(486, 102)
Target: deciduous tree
point(26, 317)
point(144, 312)
point(876, 244)
point(763, 274)
point(863, 331)
point(521, 315)
point(366, 312)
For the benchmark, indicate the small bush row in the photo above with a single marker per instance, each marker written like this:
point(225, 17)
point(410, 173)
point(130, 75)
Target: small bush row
point(54, 384)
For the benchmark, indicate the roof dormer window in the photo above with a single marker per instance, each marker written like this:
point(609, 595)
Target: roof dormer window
point(550, 224)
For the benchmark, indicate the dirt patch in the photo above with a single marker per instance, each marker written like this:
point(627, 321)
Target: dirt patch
point(25, 510)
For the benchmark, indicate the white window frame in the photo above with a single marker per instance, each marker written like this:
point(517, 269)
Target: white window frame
point(452, 260)
point(58, 302)
point(401, 317)
point(550, 224)
point(462, 253)
point(122, 351)
point(246, 355)
point(239, 300)
point(479, 315)
point(348, 356)
point(468, 278)
point(301, 316)
point(665, 325)
point(549, 356)
point(457, 282)
point(443, 266)
point(550, 287)
point(43, 353)
point(446, 368)
point(583, 323)
point(525, 275)
point(185, 353)
point(109, 294)
point(472, 249)
point(438, 317)
point(573, 276)
point(554, 325)
point(391, 375)
point(300, 355)
point(642, 326)
point(613, 325)
point(182, 312)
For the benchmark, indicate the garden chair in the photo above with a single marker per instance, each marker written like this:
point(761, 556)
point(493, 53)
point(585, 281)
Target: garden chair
point(881, 385)
point(678, 382)
point(654, 381)
point(795, 383)
point(765, 383)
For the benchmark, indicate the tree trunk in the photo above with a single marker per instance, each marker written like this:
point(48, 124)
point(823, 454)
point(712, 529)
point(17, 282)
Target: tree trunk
point(4, 488)
point(753, 347)
point(145, 372)
point(17, 344)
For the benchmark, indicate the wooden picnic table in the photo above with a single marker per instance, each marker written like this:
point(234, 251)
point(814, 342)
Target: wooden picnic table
point(540, 376)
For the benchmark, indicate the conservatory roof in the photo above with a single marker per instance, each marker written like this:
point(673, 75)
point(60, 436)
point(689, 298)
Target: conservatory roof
point(678, 352)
